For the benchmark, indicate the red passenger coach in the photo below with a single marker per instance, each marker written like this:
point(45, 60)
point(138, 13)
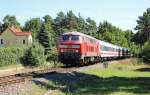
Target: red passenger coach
point(77, 48)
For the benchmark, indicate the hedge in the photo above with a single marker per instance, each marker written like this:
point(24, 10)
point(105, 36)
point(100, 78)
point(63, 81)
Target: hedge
point(8, 55)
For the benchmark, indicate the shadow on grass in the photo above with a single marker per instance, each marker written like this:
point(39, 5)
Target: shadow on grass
point(77, 83)
point(143, 69)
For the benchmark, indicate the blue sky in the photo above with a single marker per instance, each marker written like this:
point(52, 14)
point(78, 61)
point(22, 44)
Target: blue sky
point(121, 13)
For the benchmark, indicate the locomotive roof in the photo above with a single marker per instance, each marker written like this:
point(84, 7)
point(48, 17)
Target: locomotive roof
point(99, 41)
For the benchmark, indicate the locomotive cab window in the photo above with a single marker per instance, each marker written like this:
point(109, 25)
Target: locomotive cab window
point(70, 38)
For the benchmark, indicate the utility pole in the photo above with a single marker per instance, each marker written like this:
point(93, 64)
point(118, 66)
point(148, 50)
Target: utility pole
point(17, 58)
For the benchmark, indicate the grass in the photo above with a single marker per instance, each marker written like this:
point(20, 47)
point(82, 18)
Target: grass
point(114, 72)
point(33, 89)
point(118, 79)
point(10, 66)
point(111, 81)
point(121, 78)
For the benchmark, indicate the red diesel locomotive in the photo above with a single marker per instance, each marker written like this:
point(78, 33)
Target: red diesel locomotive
point(77, 49)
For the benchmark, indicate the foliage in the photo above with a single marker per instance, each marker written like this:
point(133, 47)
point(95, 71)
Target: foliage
point(142, 37)
point(143, 27)
point(11, 21)
point(8, 55)
point(34, 55)
point(44, 38)
point(60, 23)
point(46, 30)
point(135, 49)
point(97, 81)
point(91, 27)
point(71, 22)
point(52, 55)
point(108, 32)
point(145, 53)
point(33, 25)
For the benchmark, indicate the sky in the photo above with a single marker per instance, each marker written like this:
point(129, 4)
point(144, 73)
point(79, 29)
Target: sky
point(121, 13)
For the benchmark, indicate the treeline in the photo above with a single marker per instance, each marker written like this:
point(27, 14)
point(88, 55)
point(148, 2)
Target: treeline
point(142, 37)
point(46, 30)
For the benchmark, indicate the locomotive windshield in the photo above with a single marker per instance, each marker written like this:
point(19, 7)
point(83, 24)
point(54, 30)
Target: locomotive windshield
point(65, 37)
point(70, 38)
point(74, 38)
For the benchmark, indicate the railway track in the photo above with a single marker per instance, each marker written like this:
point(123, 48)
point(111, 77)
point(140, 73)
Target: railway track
point(22, 77)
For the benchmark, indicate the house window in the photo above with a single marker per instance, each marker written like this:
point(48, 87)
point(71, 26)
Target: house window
point(1, 41)
point(24, 41)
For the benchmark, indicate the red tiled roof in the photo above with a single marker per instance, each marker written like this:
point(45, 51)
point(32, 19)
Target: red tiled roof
point(18, 31)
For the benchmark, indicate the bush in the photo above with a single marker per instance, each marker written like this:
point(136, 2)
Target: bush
point(145, 53)
point(8, 55)
point(34, 55)
point(52, 55)
point(135, 49)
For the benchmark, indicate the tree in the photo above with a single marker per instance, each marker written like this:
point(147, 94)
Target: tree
point(44, 38)
point(60, 23)
point(129, 34)
point(34, 56)
point(11, 21)
point(91, 26)
point(33, 25)
point(143, 27)
point(71, 21)
point(81, 24)
point(145, 53)
point(108, 32)
point(49, 26)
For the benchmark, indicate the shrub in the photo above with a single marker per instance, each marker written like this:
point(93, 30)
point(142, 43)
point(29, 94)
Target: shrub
point(8, 55)
point(145, 53)
point(135, 49)
point(34, 55)
point(52, 55)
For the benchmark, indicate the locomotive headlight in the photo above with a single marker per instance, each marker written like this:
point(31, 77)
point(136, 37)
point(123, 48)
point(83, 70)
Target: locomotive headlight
point(75, 46)
point(76, 50)
point(61, 50)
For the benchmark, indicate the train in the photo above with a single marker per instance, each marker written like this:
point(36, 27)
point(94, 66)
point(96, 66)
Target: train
point(76, 48)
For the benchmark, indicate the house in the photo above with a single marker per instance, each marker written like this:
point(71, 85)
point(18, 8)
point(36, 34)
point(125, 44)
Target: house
point(13, 36)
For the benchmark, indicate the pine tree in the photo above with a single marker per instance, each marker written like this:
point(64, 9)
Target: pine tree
point(143, 27)
point(44, 38)
point(60, 23)
point(46, 35)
